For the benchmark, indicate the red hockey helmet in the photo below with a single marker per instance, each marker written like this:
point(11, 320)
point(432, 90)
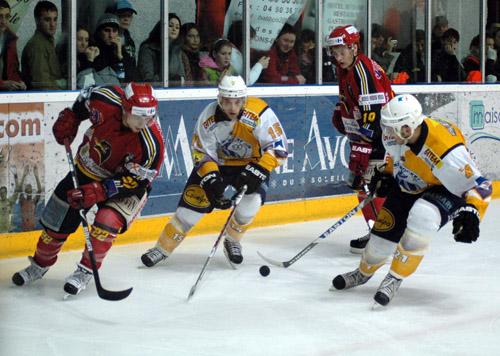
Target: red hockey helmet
point(343, 36)
point(139, 100)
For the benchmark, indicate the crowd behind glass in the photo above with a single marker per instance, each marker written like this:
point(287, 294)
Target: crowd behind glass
point(202, 51)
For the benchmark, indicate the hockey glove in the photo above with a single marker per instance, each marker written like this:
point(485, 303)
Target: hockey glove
point(382, 184)
point(66, 126)
point(86, 196)
point(337, 120)
point(359, 157)
point(466, 224)
point(252, 176)
point(214, 188)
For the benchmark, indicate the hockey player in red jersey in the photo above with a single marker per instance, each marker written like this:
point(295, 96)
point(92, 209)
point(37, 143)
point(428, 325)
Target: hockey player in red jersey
point(363, 89)
point(430, 180)
point(116, 163)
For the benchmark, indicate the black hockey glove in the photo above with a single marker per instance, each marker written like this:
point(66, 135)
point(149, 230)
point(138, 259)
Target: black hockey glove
point(466, 224)
point(382, 184)
point(214, 188)
point(252, 176)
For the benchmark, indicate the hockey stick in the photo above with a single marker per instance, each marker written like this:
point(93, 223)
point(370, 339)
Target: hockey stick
point(103, 293)
point(236, 200)
point(331, 229)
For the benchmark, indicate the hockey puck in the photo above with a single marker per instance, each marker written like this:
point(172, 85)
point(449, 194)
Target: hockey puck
point(264, 271)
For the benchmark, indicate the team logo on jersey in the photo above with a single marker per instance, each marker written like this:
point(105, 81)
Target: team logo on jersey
point(249, 118)
point(467, 170)
point(431, 158)
point(234, 147)
point(195, 196)
point(103, 150)
point(385, 221)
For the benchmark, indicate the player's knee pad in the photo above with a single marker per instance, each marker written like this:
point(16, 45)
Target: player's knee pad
point(187, 218)
point(54, 214)
point(48, 246)
point(375, 254)
point(172, 235)
point(405, 262)
point(248, 208)
point(424, 218)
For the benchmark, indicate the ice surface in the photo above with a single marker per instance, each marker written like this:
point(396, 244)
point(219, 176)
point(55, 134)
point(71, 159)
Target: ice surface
point(450, 306)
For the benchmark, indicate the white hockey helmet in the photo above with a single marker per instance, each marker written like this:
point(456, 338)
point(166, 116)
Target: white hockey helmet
point(402, 110)
point(232, 86)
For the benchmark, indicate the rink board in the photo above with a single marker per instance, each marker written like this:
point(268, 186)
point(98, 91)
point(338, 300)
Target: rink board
point(310, 182)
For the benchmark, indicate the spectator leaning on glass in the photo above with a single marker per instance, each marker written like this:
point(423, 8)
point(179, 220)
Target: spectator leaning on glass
point(40, 65)
point(218, 63)
point(283, 65)
point(363, 89)
point(9, 61)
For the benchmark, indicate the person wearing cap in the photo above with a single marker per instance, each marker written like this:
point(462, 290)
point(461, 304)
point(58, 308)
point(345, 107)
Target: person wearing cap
point(111, 54)
point(125, 12)
point(238, 141)
point(430, 180)
point(116, 162)
point(39, 62)
point(363, 89)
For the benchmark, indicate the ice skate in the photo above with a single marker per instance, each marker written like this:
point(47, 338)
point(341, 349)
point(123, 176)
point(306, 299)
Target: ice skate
point(232, 250)
point(349, 280)
point(78, 280)
point(358, 245)
point(153, 256)
point(30, 274)
point(387, 289)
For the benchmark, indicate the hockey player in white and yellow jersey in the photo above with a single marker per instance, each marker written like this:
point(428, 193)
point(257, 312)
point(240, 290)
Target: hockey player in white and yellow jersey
point(430, 178)
point(238, 140)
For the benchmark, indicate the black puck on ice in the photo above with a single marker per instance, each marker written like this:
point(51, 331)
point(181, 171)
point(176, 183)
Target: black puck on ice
point(264, 271)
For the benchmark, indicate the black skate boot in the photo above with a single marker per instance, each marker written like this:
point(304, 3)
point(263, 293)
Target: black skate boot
point(358, 245)
point(387, 289)
point(232, 250)
point(153, 256)
point(350, 280)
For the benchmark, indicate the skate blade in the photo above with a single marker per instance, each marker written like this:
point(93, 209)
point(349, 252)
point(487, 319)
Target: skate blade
point(377, 307)
point(67, 296)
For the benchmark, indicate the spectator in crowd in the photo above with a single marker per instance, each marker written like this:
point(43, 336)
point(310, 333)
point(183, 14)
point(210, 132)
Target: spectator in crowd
point(9, 61)
point(306, 55)
point(283, 65)
point(217, 63)
point(29, 202)
point(85, 53)
point(412, 60)
point(445, 65)
point(496, 40)
point(150, 64)
point(7, 203)
point(191, 44)
point(329, 67)
point(110, 61)
point(382, 47)
point(472, 63)
point(235, 36)
point(176, 67)
point(40, 65)
point(440, 27)
point(125, 12)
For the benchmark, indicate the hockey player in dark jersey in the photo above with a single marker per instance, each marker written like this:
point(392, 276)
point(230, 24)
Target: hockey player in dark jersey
point(363, 90)
point(120, 155)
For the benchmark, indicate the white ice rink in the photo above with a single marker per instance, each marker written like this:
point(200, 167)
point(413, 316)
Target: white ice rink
point(450, 306)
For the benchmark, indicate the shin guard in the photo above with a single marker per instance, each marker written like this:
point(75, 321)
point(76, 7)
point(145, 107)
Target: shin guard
point(405, 262)
point(171, 236)
point(107, 225)
point(48, 246)
point(236, 230)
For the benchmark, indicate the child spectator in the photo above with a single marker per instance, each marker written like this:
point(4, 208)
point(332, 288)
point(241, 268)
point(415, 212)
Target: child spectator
point(9, 61)
point(190, 44)
point(283, 65)
point(218, 63)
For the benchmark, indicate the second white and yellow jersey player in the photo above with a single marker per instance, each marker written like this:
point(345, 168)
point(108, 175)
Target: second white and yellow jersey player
point(238, 141)
point(431, 179)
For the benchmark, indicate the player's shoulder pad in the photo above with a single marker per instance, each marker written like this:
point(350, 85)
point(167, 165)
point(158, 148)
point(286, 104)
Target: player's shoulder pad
point(108, 94)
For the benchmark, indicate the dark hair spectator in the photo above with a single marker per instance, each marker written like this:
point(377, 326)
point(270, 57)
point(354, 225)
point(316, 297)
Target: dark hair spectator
point(218, 62)
point(235, 36)
point(382, 47)
point(176, 67)
point(9, 61)
point(306, 55)
point(472, 63)
point(190, 45)
point(283, 65)
point(41, 68)
point(149, 64)
point(85, 52)
point(439, 28)
point(445, 65)
point(412, 60)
